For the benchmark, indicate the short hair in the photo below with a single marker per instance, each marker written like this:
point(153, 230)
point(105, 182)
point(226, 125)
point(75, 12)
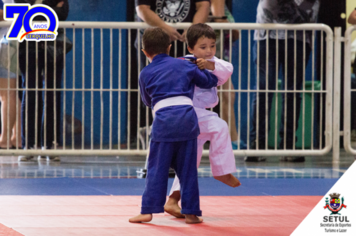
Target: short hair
point(155, 41)
point(197, 31)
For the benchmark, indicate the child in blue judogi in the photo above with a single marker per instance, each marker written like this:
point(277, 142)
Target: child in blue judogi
point(167, 86)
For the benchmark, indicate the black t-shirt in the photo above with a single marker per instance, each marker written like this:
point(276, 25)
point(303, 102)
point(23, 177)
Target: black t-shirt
point(172, 11)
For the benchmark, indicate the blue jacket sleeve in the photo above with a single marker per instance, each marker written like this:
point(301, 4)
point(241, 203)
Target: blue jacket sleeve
point(204, 79)
point(144, 95)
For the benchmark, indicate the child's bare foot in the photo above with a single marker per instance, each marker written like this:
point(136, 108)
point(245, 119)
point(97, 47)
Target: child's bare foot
point(141, 218)
point(173, 209)
point(229, 179)
point(172, 206)
point(193, 219)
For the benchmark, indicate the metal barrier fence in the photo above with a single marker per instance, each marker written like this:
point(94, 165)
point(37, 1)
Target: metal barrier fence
point(348, 91)
point(100, 108)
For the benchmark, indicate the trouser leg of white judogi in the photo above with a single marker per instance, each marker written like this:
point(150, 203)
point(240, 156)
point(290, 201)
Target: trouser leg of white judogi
point(222, 159)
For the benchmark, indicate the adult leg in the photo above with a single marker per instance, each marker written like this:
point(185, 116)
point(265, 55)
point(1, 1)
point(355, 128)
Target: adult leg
point(29, 97)
point(227, 102)
point(294, 81)
point(8, 110)
point(16, 130)
point(52, 103)
point(265, 73)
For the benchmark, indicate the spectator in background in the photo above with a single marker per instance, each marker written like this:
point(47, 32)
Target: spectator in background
point(283, 12)
point(158, 13)
point(352, 20)
point(219, 10)
point(30, 72)
point(8, 98)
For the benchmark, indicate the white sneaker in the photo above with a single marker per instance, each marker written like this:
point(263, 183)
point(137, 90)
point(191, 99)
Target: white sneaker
point(24, 158)
point(53, 158)
point(49, 158)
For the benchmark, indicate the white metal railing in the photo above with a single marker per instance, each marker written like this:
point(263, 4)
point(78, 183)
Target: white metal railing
point(108, 40)
point(348, 91)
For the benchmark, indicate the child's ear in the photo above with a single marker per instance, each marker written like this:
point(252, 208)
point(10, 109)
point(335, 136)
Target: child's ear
point(169, 48)
point(190, 50)
point(146, 54)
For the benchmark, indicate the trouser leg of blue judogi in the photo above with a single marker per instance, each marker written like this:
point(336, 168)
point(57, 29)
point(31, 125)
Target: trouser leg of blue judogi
point(181, 156)
point(188, 176)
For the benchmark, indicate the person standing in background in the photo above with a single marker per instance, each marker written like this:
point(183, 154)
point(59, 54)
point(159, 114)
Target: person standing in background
point(157, 13)
point(37, 75)
point(352, 21)
point(282, 12)
point(8, 98)
point(218, 9)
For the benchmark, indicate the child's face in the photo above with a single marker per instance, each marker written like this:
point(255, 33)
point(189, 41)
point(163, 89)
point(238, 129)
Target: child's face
point(204, 48)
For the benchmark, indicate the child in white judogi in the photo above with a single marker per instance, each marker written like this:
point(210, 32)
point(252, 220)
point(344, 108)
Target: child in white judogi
point(201, 43)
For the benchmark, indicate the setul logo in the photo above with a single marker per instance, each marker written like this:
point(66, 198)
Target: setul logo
point(335, 205)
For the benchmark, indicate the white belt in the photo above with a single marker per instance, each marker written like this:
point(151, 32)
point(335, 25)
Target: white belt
point(172, 101)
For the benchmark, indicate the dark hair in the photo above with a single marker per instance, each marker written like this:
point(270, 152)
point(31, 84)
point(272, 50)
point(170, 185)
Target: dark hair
point(198, 31)
point(155, 41)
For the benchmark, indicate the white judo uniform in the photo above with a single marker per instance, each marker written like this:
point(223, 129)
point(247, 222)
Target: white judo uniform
point(212, 127)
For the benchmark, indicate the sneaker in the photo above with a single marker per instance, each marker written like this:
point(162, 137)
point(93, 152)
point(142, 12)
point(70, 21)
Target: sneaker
point(293, 159)
point(255, 159)
point(49, 158)
point(53, 158)
point(25, 158)
point(253, 147)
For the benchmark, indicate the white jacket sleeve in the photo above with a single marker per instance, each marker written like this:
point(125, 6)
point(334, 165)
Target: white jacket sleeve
point(208, 98)
point(223, 70)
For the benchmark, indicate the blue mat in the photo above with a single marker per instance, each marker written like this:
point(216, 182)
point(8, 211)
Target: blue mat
point(207, 187)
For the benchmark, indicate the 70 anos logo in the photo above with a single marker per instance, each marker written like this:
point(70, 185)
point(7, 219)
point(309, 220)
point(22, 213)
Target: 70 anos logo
point(23, 28)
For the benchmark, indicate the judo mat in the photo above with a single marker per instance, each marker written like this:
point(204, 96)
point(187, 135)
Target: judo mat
point(70, 206)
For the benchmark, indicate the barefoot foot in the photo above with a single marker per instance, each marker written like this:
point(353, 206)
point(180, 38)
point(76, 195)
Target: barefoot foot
point(141, 218)
point(173, 209)
point(193, 219)
point(229, 179)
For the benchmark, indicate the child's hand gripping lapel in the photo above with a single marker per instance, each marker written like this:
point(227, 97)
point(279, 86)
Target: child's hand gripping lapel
point(204, 64)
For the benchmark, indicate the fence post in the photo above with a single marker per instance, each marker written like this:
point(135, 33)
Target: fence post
point(337, 94)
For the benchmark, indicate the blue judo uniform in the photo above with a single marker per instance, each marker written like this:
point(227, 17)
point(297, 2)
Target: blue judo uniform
point(174, 131)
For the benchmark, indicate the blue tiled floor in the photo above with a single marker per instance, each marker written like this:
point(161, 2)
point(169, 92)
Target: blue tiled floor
point(207, 186)
point(118, 176)
point(114, 168)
